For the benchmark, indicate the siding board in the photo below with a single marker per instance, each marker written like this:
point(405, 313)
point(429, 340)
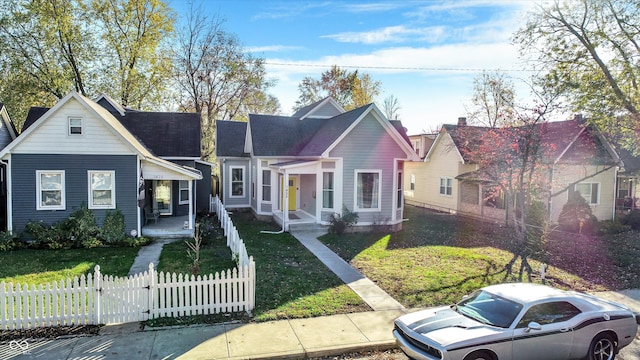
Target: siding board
point(23, 172)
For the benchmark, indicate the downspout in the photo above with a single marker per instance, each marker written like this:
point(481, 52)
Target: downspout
point(615, 192)
point(285, 205)
point(9, 197)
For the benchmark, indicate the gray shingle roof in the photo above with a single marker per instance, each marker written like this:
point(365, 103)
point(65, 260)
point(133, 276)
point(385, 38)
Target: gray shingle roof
point(168, 134)
point(230, 136)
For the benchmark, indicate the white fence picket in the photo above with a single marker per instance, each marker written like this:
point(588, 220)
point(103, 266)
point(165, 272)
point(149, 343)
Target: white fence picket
point(104, 299)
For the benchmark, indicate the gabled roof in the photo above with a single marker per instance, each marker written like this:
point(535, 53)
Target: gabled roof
point(150, 128)
point(11, 128)
point(232, 143)
point(567, 141)
point(314, 110)
point(284, 136)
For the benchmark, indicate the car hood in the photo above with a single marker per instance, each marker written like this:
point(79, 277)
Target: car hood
point(447, 327)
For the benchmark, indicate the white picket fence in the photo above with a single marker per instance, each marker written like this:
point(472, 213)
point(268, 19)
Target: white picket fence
point(104, 299)
point(234, 242)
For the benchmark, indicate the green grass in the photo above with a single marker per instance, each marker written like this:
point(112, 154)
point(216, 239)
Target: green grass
point(292, 282)
point(438, 258)
point(28, 266)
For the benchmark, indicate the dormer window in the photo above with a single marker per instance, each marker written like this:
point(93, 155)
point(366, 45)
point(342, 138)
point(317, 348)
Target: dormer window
point(75, 126)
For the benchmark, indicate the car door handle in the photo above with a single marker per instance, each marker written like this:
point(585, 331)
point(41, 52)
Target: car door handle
point(564, 330)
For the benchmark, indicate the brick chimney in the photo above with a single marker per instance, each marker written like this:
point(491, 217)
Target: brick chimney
point(462, 121)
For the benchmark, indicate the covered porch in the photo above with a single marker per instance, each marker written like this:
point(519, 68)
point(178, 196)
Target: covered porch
point(170, 227)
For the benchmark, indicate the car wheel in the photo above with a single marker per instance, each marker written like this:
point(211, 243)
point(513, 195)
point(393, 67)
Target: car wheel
point(479, 355)
point(602, 348)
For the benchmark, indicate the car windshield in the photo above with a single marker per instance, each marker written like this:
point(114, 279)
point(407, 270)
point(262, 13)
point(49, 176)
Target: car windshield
point(489, 309)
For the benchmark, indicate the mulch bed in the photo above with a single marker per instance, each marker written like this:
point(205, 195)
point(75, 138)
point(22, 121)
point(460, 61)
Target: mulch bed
point(48, 332)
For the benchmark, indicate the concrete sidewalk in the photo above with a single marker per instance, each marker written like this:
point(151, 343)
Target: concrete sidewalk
point(286, 339)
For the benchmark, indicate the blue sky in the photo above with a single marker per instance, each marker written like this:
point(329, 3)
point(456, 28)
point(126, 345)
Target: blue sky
point(425, 53)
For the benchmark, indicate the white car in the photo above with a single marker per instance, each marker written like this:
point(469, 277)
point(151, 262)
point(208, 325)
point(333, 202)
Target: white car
point(520, 321)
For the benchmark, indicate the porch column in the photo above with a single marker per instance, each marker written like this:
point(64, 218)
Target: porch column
point(191, 200)
point(285, 201)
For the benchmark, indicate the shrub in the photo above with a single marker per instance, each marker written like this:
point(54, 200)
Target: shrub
point(79, 227)
point(7, 242)
point(339, 223)
point(632, 219)
point(576, 215)
point(45, 236)
point(612, 227)
point(537, 231)
point(112, 230)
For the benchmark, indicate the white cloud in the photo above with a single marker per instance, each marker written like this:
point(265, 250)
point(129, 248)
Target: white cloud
point(272, 48)
point(396, 34)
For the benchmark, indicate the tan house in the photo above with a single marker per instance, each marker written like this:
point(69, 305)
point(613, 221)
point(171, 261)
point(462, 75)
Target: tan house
point(578, 159)
point(421, 143)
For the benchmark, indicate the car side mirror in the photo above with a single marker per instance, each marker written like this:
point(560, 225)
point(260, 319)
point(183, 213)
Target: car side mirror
point(533, 326)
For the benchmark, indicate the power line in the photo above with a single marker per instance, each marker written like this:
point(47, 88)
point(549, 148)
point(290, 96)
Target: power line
point(395, 67)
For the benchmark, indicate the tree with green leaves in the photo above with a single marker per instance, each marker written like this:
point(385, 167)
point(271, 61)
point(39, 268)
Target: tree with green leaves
point(46, 50)
point(216, 77)
point(588, 50)
point(51, 47)
point(350, 89)
point(132, 34)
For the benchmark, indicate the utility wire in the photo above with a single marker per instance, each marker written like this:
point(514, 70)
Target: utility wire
point(395, 67)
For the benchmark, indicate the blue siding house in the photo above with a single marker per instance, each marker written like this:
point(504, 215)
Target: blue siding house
point(303, 168)
point(104, 156)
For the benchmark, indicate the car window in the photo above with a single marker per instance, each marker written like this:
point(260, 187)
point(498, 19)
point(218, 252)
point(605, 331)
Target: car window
point(548, 313)
point(489, 309)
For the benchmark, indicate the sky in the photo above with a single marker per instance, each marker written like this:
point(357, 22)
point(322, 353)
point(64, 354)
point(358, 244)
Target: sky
point(425, 53)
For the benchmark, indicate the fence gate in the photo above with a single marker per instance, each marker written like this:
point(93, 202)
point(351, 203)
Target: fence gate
point(120, 300)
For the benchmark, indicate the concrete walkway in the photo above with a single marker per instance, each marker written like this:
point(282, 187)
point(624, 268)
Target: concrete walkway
point(149, 254)
point(375, 297)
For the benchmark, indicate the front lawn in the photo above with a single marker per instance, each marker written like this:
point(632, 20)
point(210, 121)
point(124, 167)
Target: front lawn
point(291, 282)
point(29, 266)
point(439, 257)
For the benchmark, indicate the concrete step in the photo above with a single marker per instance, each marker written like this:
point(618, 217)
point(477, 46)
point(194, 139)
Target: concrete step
point(308, 227)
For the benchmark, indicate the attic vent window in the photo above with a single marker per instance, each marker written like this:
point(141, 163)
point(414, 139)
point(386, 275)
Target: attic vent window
point(75, 126)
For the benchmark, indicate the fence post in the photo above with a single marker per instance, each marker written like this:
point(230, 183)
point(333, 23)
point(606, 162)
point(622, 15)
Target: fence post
point(97, 311)
point(152, 291)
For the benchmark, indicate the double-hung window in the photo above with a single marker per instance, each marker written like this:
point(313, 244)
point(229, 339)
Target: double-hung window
point(266, 185)
point(102, 189)
point(50, 192)
point(412, 182)
point(75, 126)
point(446, 186)
point(590, 192)
point(237, 181)
point(368, 190)
point(327, 190)
point(399, 191)
point(184, 192)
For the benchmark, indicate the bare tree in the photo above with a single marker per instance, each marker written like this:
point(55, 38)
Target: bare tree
point(391, 107)
point(492, 100)
point(214, 74)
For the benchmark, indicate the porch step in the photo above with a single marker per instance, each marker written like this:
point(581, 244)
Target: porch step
point(308, 227)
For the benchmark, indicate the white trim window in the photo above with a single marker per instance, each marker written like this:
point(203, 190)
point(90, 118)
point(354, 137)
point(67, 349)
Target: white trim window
point(368, 190)
point(236, 174)
point(75, 126)
point(412, 182)
point(327, 190)
point(102, 189)
point(589, 191)
point(446, 186)
point(50, 190)
point(183, 192)
point(266, 185)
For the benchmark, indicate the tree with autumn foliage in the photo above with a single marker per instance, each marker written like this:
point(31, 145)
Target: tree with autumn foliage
point(511, 159)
